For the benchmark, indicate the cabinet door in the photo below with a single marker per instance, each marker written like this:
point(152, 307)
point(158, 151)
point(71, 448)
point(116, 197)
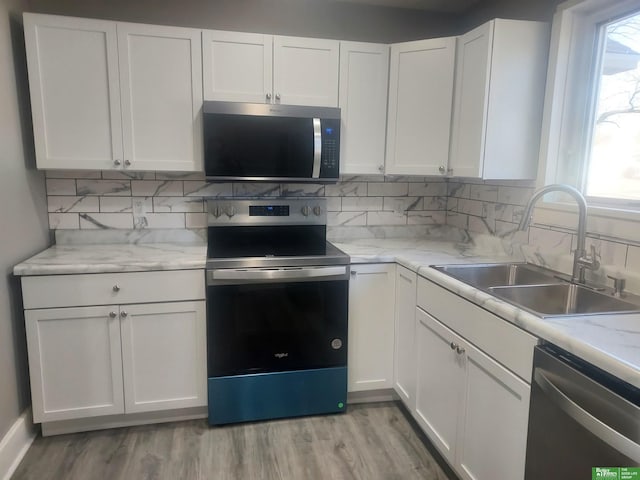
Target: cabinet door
point(305, 71)
point(75, 95)
point(164, 356)
point(364, 70)
point(440, 379)
point(237, 66)
point(493, 430)
point(420, 102)
point(161, 85)
point(371, 307)
point(75, 362)
point(470, 101)
point(405, 336)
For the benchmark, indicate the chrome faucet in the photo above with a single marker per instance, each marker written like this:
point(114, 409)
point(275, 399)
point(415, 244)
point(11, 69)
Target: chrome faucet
point(581, 260)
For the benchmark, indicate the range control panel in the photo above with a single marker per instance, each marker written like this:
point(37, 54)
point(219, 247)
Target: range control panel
point(307, 211)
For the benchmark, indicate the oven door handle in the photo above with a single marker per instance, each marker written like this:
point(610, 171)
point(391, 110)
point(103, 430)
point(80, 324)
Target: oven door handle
point(242, 275)
point(604, 432)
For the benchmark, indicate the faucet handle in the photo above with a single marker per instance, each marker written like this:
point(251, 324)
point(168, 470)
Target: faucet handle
point(619, 284)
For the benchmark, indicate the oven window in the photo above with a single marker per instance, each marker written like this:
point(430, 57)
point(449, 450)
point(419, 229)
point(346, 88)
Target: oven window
point(274, 327)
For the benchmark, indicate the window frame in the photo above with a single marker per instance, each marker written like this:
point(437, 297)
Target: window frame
point(568, 119)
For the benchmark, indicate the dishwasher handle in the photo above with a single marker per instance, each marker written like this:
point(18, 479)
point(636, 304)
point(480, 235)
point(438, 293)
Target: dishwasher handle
point(598, 428)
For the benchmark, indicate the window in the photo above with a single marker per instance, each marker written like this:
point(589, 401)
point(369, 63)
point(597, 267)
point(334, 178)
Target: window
point(593, 102)
point(612, 169)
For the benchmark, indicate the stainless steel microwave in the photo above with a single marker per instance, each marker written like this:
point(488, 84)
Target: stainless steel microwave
point(275, 143)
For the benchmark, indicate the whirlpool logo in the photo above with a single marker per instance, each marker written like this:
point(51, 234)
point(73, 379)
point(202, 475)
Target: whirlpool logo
point(281, 355)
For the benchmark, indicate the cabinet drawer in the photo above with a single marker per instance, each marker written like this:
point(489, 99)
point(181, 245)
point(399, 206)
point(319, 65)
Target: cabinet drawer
point(503, 341)
point(112, 288)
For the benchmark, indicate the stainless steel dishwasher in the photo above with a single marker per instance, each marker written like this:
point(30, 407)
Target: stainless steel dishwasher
point(579, 418)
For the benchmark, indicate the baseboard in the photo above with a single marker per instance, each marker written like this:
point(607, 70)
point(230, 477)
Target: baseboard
point(15, 444)
point(369, 396)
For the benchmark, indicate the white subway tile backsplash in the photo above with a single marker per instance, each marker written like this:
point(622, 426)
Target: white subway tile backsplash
point(346, 189)
point(514, 195)
point(104, 187)
point(485, 193)
point(115, 204)
point(177, 204)
point(66, 204)
point(425, 217)
point(157, 188)
point(57, 186)
point(196, 220)
point(201, 188)
point(106, 220)
point(355, 204)
point(428, 189)
point(386, 218)
point(334, 204)
point(64, 221)
point(160, 220)
point(302, 190)
point(127, 175)
point(256, 189)
point(346, 218)
point(388, 189)
point(72, 174)
point(403, 204)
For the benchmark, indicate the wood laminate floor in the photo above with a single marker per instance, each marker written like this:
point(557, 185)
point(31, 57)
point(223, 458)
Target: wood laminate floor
point(370, 441)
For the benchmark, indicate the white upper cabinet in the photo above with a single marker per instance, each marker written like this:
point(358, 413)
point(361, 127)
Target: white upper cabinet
point(75, 94)
point(420, 100)
point(499, 92)
point(111, 95)
point(364, 71)
point(238, 67)
point(305, 71)
point(161, 90)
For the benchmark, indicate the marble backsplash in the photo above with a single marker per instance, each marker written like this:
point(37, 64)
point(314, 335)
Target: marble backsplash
point(495, 208)
point(357, 206)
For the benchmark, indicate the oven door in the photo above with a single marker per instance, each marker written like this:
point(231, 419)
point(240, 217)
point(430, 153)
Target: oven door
point(273, 320)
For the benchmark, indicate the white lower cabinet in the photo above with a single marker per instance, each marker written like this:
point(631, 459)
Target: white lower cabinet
point(405, 336)
point(472, 408)
point(75, 362)
point(163, 352)
point(90, 361)
point(371, 326)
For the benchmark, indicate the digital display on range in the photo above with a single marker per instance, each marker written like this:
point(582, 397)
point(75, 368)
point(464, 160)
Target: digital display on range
point(268, 210)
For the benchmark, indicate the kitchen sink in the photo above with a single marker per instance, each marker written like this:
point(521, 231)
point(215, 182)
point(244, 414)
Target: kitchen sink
point(541, 291)
point(562, 299)
point(500, 274)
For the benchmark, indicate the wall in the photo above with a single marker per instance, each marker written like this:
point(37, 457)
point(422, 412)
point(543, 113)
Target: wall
point(540, 10)
point(24, 229)
point(308, 18)
point(103, 200)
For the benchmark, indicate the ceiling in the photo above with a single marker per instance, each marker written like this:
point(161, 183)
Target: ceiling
point(444, 6)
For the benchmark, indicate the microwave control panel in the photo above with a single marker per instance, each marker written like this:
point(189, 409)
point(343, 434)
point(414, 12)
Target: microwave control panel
point(330, 159)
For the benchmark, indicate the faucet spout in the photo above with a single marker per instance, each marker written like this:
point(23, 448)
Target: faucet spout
point(580, 258)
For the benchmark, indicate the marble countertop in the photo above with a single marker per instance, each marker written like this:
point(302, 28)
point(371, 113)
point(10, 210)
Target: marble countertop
point(611, 342)
point(69, 259)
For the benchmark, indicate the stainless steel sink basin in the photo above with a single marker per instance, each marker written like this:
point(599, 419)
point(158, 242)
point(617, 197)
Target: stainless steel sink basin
point(562, 299)
point(501, 274)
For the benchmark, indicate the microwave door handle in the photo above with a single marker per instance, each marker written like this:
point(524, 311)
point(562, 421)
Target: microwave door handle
point(317, 147)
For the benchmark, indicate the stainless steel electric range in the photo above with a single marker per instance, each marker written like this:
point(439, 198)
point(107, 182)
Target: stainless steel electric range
point(277, 308)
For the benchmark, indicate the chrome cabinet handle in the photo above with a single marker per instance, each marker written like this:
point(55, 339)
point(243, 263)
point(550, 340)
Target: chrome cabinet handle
point(123, 314)
point(453, 345)
point(277, 96)
point(116, 288)
point(459, 350)
point(381, 168)
point(127, 163)
point(353, 273)
point(269, 96)
point(442, 169)
point(116, 162)
point(113, 314)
